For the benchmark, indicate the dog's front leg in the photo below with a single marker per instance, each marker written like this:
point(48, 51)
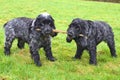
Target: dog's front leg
point(48, 53)
point(34, 47)
point(79, 52)
point(92, 53)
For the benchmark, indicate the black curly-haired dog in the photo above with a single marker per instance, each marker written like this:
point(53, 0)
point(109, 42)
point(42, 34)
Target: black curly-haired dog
point(88, 34)
point(36, 32)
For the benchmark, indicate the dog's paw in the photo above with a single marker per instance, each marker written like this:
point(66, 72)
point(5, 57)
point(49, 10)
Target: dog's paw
point(7, 53)
point(114, 56)
point(51, 58)
point(93, 63)
point(38, 63)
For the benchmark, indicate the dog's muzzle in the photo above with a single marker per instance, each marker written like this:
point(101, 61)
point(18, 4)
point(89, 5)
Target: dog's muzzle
point(70, 36)
point(47, 31)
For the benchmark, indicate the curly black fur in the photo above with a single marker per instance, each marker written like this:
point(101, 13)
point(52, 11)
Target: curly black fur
point(25, 30)
point(96, 31)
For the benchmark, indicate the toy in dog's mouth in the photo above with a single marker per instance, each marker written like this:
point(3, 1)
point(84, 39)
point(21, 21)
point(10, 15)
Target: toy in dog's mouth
point(70, 37)
point(54, 30)
point(64, 32)
point(48, 32)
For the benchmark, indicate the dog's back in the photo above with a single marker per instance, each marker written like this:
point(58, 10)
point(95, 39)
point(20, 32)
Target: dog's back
point(18, 27)
point(103, 26)
point(103, 29)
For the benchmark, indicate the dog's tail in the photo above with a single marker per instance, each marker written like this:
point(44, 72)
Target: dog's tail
point(5, 24)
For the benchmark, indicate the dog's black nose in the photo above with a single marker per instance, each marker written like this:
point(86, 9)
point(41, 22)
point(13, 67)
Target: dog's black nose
point(48, 31)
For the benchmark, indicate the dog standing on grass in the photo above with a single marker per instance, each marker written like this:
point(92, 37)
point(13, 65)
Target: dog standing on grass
point(88, 34)
point(36, 32)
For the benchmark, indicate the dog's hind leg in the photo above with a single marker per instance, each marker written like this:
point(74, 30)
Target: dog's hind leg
point(93, 59)
point(8, 43)
point(111, 45)
point(92, 52)
point(21, 43)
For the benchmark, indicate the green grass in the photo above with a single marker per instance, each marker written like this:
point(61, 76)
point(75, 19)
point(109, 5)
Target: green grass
point(19, 66)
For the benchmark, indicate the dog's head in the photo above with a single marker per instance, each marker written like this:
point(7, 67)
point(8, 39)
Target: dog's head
point(45, 24)
point(77, 27)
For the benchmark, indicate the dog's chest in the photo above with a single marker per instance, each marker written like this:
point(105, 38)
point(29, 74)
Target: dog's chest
point(99, 35)
point(43, 41)
point(82, 42)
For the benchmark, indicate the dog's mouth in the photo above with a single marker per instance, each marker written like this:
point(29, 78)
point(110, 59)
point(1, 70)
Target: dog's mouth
point(69, 38)
point(46, 33)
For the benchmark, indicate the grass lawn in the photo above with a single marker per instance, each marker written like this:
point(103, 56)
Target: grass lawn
point(19, 66)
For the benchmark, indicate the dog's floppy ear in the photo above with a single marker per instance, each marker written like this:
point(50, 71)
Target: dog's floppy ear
point(37, 21)
point(52, 24)
point(53, 27)
point(91, 30)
